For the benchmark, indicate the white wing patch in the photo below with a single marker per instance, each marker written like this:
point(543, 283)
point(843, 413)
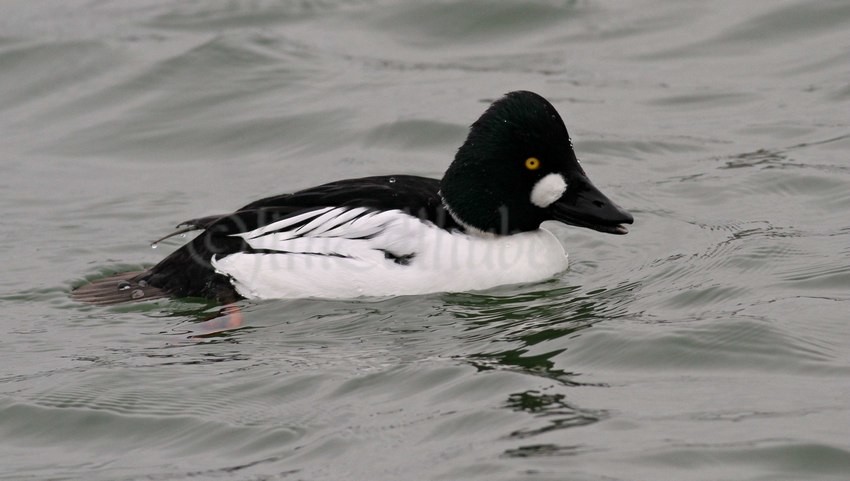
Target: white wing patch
point(339, 232)
point(341, 252)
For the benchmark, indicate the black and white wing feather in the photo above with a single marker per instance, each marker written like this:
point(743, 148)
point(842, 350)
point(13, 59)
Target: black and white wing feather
point(343, 211)
point(332, 249)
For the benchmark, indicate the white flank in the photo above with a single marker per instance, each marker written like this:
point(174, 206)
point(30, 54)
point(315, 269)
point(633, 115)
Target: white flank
point(349, 252)
point(548, 189)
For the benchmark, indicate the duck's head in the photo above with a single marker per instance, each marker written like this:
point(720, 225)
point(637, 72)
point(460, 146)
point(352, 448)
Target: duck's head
point(517, 169)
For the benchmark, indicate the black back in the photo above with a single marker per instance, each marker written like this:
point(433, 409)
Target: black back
point(187, 271)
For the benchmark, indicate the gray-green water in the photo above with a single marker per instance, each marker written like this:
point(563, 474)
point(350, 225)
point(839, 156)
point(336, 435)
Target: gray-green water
point(711, 343)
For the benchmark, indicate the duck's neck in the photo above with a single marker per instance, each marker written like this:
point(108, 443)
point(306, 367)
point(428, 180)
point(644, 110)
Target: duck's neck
point(467, 227)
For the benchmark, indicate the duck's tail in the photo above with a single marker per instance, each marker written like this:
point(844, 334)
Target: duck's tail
point(118, 289)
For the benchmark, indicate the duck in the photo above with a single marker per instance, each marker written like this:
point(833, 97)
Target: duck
point(391, 235)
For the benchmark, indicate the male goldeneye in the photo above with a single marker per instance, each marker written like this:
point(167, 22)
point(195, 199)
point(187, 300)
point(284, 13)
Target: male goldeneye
point(477, 228)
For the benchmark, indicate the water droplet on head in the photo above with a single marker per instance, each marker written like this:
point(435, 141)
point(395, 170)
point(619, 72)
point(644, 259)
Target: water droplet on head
point(123, 285)
point(154, 245)
point(392, 180)
point(183, 235)
point(137, 294)
point(143, 283)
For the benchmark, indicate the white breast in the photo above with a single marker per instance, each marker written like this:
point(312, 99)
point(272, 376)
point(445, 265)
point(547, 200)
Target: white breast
point(351, 252)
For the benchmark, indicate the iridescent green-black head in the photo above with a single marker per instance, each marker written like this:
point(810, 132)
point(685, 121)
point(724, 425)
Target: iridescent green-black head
point(517, 168)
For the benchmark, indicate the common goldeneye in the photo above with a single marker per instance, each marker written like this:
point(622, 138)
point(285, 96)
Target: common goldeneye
point(477, 228)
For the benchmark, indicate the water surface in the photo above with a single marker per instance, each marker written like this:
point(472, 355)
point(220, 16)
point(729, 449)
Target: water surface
point(710, 343)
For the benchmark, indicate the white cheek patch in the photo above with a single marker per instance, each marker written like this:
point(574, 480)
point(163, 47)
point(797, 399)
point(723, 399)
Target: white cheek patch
point(548, 189)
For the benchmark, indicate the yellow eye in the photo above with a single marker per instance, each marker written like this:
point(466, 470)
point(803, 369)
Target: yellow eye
point(532, 163)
